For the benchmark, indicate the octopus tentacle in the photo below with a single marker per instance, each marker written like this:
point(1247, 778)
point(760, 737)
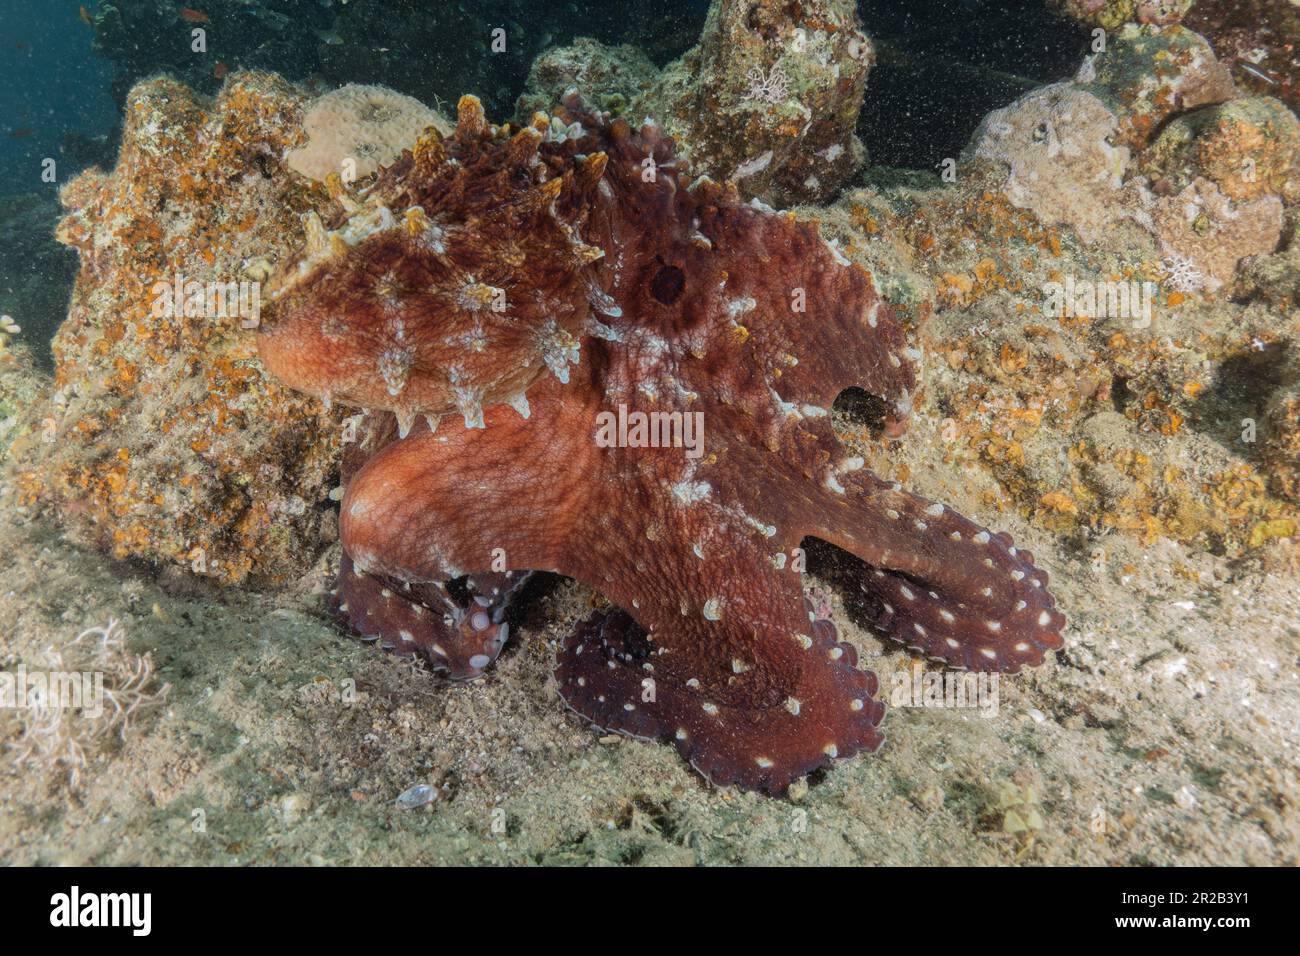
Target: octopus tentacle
point(460, 633)
point(456, 624)
point(396, 516)
point(751, 687)
point(948, 587)
point(611, 672)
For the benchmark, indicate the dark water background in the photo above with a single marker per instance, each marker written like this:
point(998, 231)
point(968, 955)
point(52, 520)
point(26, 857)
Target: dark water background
point(942, 63)
point(53, 89)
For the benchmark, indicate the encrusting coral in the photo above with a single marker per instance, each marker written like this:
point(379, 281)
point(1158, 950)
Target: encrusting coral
point(770, 97)
point(729, 329)
point(162, 440)
point(1202, 226)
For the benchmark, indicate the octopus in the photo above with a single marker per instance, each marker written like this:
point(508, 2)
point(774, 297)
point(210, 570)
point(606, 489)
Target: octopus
point(575, 357)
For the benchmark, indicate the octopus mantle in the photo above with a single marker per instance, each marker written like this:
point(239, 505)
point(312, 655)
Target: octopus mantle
point(502, 293)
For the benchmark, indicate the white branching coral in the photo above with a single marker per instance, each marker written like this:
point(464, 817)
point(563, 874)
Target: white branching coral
point(772, 87)
point(1182, 274)
point(114, 688)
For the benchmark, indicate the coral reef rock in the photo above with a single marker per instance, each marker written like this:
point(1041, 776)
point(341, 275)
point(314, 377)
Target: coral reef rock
point(1203, 226)
point(1210, 189)
point(1250, 147)
point(770, 98)
point(608, 77)
point(1281, 425)
point(1147, 74)
point(22, 388)
point(1166, 411)
point(1113, 14)
point(162, 439)
point(1255, 39)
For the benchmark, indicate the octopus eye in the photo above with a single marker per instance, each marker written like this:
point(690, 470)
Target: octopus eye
point(1040, 132)
point(668, 284)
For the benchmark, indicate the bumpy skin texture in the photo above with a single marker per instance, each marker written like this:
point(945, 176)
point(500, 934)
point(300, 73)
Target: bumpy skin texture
point(699, 304)
point(416, 302)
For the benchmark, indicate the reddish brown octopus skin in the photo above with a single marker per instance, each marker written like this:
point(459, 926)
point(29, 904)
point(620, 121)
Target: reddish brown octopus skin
point(699, 304)
point(396, 305)
point(459, 634)
point(457, 627)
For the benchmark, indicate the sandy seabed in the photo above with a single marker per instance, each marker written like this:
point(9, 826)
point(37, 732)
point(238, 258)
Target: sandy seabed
point(1164, 733)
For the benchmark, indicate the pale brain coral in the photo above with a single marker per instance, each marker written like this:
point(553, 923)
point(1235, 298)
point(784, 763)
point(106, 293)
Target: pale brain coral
point(1205, 226)
point(1055, 144)
point(369, 125)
